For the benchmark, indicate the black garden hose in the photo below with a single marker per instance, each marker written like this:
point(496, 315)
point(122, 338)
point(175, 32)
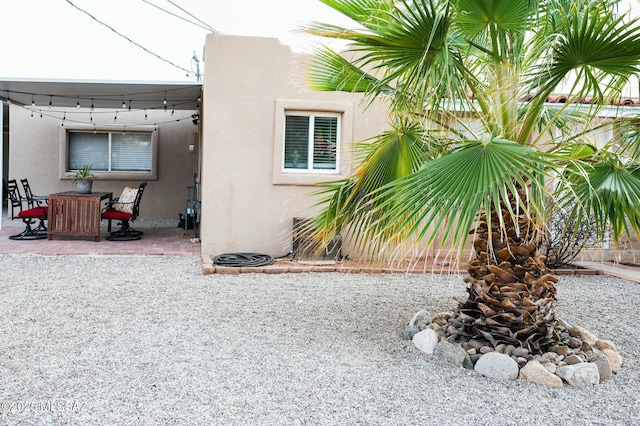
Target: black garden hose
point(242, 259)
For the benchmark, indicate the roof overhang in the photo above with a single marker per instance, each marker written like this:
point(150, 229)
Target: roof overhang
point(102, 94)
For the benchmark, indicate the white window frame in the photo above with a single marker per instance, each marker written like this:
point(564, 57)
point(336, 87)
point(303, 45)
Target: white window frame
point(65, 173)
point(310, 144)
point(310, 176)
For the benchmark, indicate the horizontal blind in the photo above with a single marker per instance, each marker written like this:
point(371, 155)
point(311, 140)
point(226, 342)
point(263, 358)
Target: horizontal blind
point(88, 149)
point(296, 142)
point(131, 152)
point(325, 142)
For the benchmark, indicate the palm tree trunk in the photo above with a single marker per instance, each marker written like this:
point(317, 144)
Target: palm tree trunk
point(511, 294)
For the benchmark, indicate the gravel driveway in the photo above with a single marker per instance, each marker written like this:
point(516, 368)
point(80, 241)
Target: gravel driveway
point(149, 340)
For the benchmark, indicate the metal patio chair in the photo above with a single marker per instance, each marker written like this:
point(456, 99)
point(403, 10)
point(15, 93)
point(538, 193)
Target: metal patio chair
point(125, 209)
point(32, 200)
point(36, 211)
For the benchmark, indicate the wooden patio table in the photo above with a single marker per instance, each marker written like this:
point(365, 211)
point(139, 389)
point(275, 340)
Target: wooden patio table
point(77, 214)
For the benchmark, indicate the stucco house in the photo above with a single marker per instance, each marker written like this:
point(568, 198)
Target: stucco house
point(226, 134)
point(253, 136)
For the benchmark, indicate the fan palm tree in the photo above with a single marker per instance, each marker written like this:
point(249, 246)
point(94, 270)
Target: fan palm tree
point(474, 150)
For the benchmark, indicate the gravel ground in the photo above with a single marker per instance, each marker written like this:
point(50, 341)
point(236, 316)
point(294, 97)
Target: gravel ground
point(96, 340)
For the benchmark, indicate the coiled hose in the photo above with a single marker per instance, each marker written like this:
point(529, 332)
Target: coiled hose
point(242, 259)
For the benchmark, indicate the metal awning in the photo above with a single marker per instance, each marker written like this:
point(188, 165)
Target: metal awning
point(102, 94)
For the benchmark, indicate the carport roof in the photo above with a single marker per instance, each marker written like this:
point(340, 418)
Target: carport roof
point(102, 94)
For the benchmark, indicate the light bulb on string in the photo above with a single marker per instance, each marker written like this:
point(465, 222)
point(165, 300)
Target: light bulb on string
point(145, 114)
point(173, 110)
point(78, 102)
point(91, 104)
point(33, 101)
point(129, 105)
point(124, 106)
point(50, 101)
point(116, 116)
point(94, 129)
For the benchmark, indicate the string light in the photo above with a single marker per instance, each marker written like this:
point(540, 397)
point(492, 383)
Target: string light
point(124, 106)
point(33, 100)
point(78, 102)
point(50, 101)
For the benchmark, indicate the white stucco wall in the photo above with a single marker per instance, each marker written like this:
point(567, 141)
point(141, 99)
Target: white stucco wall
point(245, 206)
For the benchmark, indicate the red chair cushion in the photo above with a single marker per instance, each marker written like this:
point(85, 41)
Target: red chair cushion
point(116, 215)
point(40, 212)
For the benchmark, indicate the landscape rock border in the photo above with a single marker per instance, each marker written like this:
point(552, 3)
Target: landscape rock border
point(581, 359)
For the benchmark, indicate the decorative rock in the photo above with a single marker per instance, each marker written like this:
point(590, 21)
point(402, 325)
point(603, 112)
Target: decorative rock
point(453, 353)
point(602, 362)
point(520, 352)
point(534, 372)
point(486, 349)
point(409, 332)
point(418, 322)
point(615, 360)
point(497, 366)
point(426, 340)
point(583, 334)
point(520, 360)
point(560, 350)
point(579, 375)
point(574, 342)
point(501, 347)
point(441, 318)
point(551, 356)
point(509, 350)
point(551, 367)
point(605, 344)
point(475, 344)
point(574, 359)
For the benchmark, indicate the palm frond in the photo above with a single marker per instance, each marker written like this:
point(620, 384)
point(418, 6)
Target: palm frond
point(442, 200)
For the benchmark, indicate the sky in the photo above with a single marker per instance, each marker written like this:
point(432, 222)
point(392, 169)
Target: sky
point(52, 39)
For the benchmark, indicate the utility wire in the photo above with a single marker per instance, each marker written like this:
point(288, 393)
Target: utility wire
point(208, 28)
point(129, 40)
point(194, 17)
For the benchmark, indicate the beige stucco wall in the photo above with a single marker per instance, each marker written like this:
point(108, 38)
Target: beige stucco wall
point(246, 206)
point(34, 153)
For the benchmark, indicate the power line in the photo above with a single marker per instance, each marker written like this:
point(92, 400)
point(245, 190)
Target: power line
point(194, 17)
point(129, 40)
point(208, 28)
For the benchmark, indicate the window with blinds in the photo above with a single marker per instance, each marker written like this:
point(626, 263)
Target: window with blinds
point(311, 142)
point(110, 152)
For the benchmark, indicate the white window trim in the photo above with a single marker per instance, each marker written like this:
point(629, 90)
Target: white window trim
point(344, 110)
point(65, 174)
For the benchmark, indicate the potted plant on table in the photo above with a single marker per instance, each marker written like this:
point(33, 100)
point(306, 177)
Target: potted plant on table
point(84, 178)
